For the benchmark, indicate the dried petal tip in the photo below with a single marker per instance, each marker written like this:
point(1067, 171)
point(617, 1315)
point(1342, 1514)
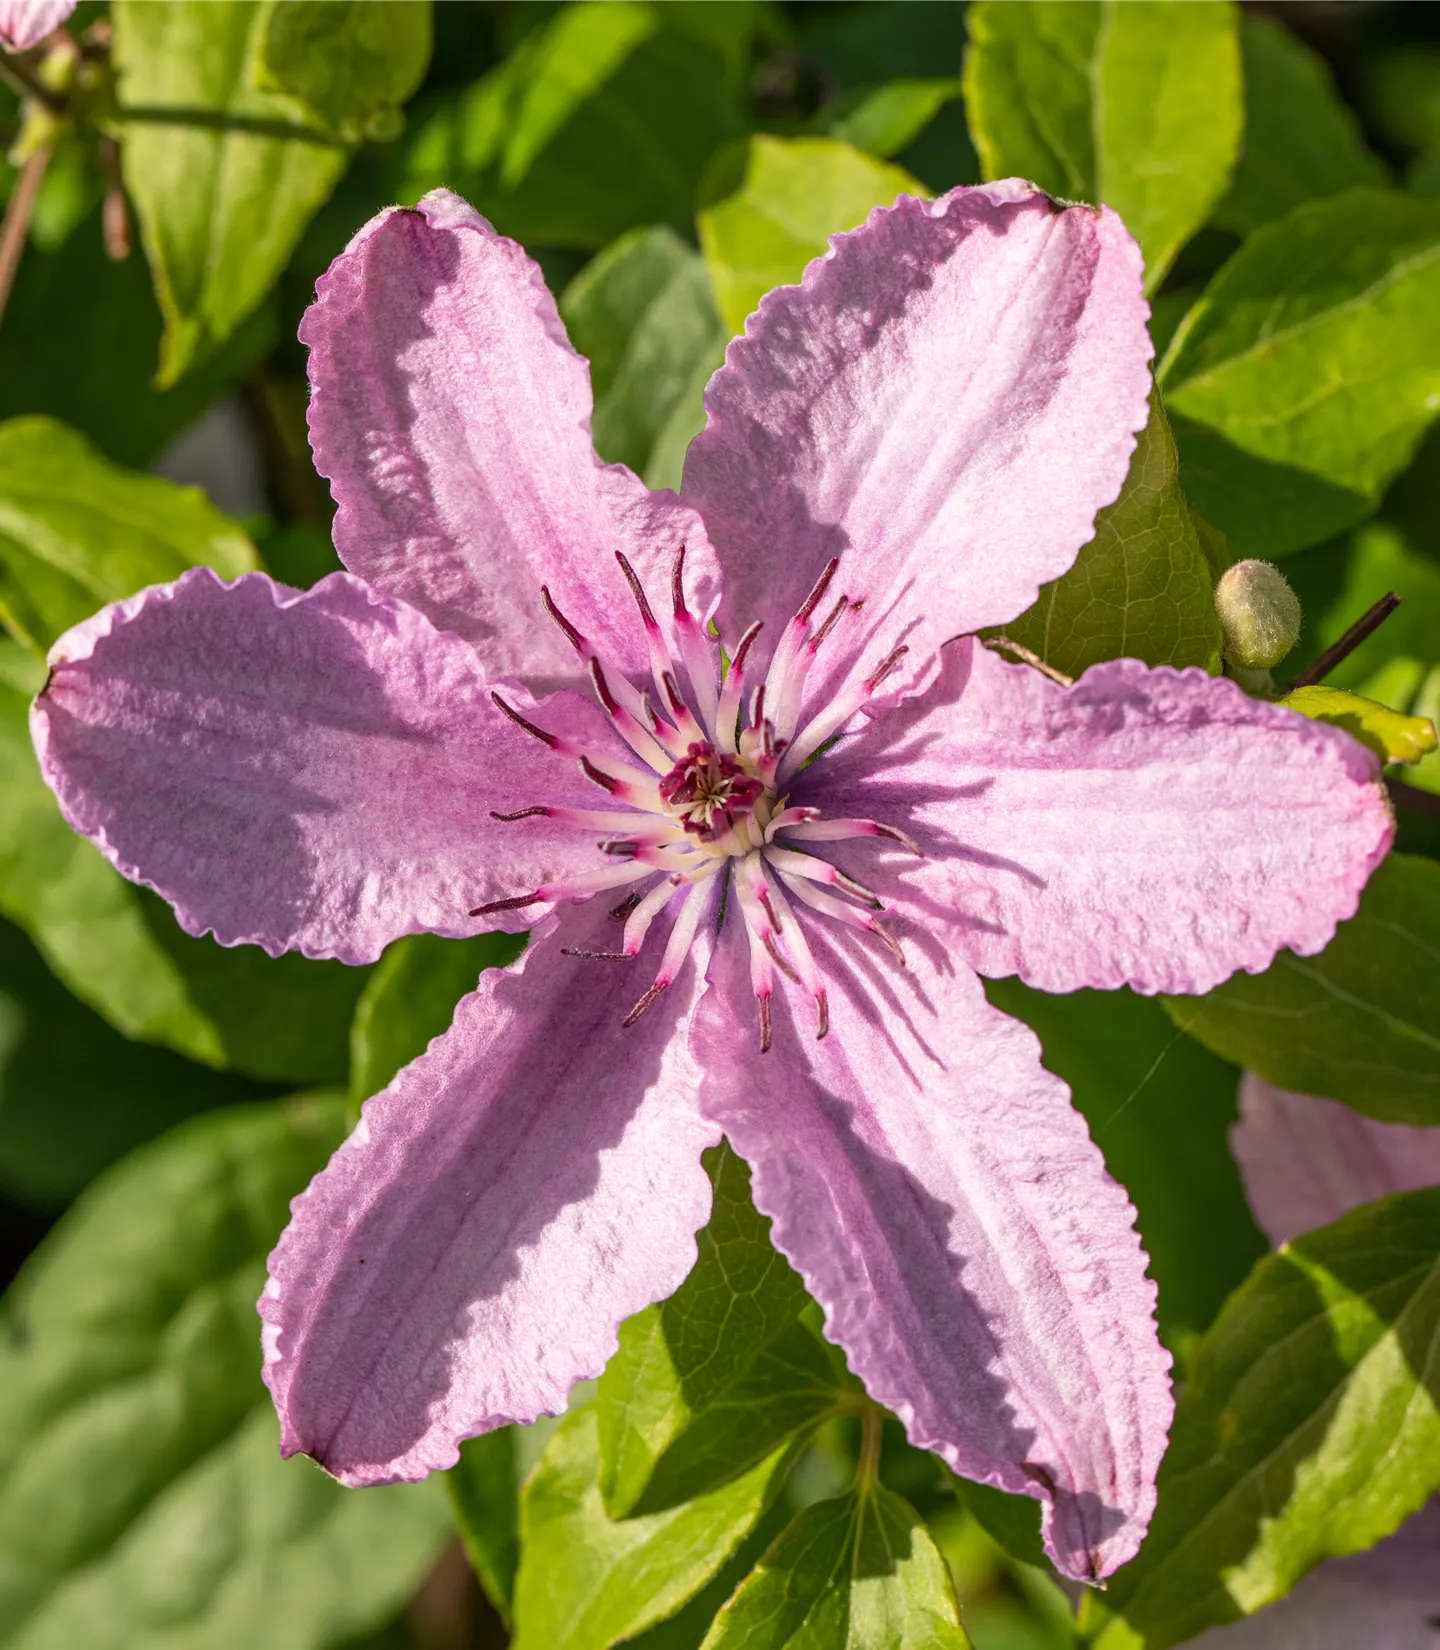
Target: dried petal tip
point(1259, 615)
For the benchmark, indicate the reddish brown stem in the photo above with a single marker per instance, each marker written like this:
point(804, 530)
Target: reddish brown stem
point(114, 218)
point(1366, 625)
point(17, 220)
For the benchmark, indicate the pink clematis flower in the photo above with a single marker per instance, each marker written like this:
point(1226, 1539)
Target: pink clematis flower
point(758, 895)
point(25, 23)
point(1305, 1162)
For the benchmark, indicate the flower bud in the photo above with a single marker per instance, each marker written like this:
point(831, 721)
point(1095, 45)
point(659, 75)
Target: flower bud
point(1259, 615)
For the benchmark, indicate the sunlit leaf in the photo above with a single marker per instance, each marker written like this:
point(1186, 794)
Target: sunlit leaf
point(1393, 737)
point(349, 64)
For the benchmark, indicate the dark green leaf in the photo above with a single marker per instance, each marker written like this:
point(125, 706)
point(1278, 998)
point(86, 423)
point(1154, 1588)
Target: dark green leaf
point(1141, 588)
point(1136, 105)
point(411, 998)
point(601, 120)
point(644, 316)
point(859, 1572)
point(774, 205)
point(349, 64)
point(708, 1383)
point(118, 948)
point(1308, 1427)
point(883, 120)
point(1301, 142)
point(1360, 1022)
point(586, 1581)
point(1301, 382)
point(223, 177)
point(484, 1491)
point(80, 341)
point(144, 1503)
point(76, 531)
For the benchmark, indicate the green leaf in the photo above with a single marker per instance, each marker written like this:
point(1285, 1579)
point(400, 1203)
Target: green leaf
point(602, 119)
point(484, 1498)
point(1301, 142)
point(118, 948)
point(1142, 587)
point(859, 1572)
point(644, 316)
point(349, 64)
point(586, 1581)
point(709, 1382)
point(1136, 105)
point(1308, 1427)
point(1301, 382)
point(410, 999)
point(1360, 1022)
point(74, 1094)
point(883, 120)
point(80, 341)
point(76, 531)
point(143, 1502)
point(223, 178)
point(1393, 737)
point(773, 205)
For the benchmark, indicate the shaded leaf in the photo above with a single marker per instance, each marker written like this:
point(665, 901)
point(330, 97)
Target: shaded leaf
point(484, 1498)
point(1142, 588)
point(76, 531)
point(859, 1572)
point(1302, 380)
point(222, 176)
point(1308, 1428)
point(602, 119)
point(1360, 1022)
point(1393, 737)
point(709, 1382)
point(1134, 105)
point(349, 64)
point(144, 1501)
point(883, 120)
point(1301, 142)
point(586, 1581)
point(643, 314)
point(772, 206)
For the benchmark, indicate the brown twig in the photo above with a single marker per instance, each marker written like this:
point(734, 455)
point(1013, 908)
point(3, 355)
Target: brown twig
point(23, 80)
point(114, 218)
point(17, 220)
point(1003, 644)
point(1364, 626)
point(1413, 798)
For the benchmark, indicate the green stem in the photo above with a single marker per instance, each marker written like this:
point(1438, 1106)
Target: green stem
point(867, 1473)
point(22, 79)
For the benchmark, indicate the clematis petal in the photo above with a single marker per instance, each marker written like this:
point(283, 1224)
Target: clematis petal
point(452, 418)
point(1155, 828)
point(470, 1251)
point(947, 399)
point(25, 23)
point(1306, 1161)
point(945, 1205)
point(309, 772)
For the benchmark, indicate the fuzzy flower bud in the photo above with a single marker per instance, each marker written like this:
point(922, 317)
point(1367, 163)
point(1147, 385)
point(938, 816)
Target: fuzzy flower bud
point(1259, 615)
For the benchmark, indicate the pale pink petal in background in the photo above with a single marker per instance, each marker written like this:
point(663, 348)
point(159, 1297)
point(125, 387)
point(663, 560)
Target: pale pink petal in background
point(25, 23)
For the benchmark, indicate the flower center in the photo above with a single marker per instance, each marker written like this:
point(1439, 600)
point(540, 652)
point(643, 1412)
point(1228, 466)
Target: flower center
point(709, 797)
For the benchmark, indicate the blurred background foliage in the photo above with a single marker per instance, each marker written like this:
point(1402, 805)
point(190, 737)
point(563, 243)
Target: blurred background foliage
point(666, 164)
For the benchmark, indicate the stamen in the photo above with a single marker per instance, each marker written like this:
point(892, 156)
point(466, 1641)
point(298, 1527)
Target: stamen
point(522, 813)
point(792, 691)
point(829, 906)
point(677, 948)
point(800, 950)
point(549, 739)
point(638, 796)
point(595, 956)
point(635, 734)
point(694, 650)
point(518, 903)
point(821, 870)
point(727, 716)
point(572, 635)
point(764, 1004)
point(838, 713)
point(839, 830)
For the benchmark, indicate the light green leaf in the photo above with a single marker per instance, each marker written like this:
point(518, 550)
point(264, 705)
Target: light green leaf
point(1301, 142)
point(484, 1497)
point(602, 119)
point(1393, 737)
point(1136, 105)
point(712, 1380)
point(410, 998)
point(586, 1581)
point(859, 1572)
point(1360, 1022)
point(644, 316)
point(76, 531)
point(1141, 588)
point(222, 176)
point(349, 64)
point(773, 205)
point(143, 1502)
point(883, 120)
point(118, 948)
point(1301, 382)
point(1308, 1427)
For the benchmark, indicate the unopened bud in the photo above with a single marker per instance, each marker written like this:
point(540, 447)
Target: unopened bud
point(1259, 615)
